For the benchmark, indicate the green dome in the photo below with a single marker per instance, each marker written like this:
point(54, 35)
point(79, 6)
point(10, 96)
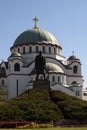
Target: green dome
point(35, 35)
point(73, 57)
point(51, 67)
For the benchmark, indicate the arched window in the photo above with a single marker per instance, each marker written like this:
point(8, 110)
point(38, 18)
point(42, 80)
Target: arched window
point(17, 67)
point(23, 50)
point(58, 79)
point(18, 50)
point(30, 49)
point(75, 69)
point(53, 79)
point(77, 93)
point(49, 49)
point(43, 49)
point(54, 50)
point(37, 49)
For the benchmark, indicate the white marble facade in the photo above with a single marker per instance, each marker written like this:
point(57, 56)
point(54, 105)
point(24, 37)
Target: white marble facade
point(18, 72)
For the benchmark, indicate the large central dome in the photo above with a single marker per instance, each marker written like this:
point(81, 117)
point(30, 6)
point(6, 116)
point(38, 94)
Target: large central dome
point(35, 35)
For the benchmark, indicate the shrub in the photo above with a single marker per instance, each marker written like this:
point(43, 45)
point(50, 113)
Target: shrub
point(35, 125)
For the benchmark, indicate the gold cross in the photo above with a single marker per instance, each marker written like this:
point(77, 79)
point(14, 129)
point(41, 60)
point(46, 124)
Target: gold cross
point(35, 19)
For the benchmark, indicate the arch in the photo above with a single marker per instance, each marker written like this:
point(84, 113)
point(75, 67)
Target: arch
point(57, 62)
point(75, 69)
point(17, 67)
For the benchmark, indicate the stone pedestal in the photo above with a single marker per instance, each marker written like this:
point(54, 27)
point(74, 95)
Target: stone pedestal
point(42, 84)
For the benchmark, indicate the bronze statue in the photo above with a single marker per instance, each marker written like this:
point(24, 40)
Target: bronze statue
point(40, 63)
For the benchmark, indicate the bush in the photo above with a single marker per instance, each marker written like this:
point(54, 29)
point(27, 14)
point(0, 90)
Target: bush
point(35, 125)
point(71, 107)
point(42, 107)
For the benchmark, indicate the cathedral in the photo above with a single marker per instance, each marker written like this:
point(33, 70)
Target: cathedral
point(18, 72)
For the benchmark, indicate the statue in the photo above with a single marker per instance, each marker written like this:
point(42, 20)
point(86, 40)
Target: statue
point(40, 65)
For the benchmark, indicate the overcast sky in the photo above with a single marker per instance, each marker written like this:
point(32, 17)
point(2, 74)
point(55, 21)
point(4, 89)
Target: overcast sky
point(65, 19)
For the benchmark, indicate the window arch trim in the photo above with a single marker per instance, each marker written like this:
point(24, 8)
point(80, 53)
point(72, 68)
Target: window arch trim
point(16, 67)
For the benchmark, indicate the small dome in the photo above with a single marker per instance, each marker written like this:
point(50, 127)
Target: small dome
point(50, 67)
point(75, 83)
point(73, 58)
point(35, 35)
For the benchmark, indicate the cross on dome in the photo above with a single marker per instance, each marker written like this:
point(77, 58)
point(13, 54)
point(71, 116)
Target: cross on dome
point(35, 19)
point(73, 53)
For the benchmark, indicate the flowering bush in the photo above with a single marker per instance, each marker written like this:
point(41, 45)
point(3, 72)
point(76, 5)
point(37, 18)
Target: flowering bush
point(29, 125)
point(35, 125)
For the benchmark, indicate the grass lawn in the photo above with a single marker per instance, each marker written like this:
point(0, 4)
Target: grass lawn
point(59, 128)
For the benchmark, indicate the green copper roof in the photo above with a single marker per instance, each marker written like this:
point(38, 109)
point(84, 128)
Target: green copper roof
point(51, 67)
point(35, 35)
point(73, 57)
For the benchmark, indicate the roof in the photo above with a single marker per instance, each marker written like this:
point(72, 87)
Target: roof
point(35, 35)
point(73, 57)
point(50, 68)
point(15, 54)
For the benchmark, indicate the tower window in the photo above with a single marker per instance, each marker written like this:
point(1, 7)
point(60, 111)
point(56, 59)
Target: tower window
point(75, 69)
point(17, 67)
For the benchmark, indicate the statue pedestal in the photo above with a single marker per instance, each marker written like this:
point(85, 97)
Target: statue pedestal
point(42, 84)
